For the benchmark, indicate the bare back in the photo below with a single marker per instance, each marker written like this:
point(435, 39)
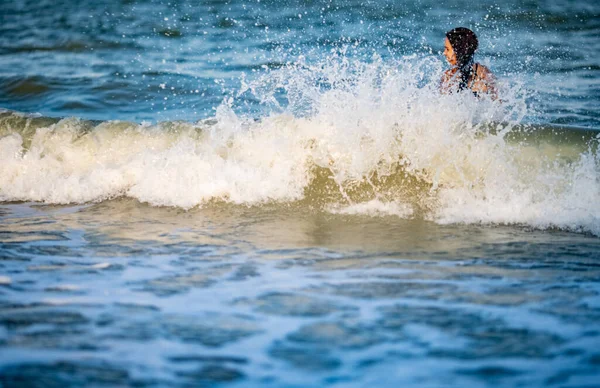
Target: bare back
point(482, 81)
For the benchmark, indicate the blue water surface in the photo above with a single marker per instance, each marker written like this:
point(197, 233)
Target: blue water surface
point(178, 60)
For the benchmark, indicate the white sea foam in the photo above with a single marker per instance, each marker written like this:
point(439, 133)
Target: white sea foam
point(374, 207)
point(389, 141)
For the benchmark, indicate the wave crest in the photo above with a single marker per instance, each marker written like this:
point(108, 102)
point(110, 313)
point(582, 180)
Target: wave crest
point(343, 135)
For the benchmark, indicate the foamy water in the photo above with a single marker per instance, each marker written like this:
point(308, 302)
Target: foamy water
point(366, 135)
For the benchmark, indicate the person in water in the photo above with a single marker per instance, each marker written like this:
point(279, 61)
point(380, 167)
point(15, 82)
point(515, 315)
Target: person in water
point(459, 48)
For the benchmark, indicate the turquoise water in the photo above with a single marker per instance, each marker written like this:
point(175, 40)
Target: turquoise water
point(276, 194)
point(107, 60)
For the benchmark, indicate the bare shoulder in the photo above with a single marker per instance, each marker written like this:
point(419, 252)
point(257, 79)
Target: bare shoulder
point(483, 71)
point(485, 81)
point(450, 73)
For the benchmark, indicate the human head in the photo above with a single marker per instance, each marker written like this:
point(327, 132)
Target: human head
point(461, 44)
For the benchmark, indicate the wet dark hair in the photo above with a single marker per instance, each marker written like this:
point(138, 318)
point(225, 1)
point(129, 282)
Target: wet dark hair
point(464, 43)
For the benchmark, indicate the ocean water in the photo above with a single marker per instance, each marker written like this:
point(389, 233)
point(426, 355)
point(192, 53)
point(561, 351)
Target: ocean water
point(275, 193)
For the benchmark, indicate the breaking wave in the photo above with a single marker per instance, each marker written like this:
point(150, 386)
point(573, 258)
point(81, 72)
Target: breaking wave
point(347, 136)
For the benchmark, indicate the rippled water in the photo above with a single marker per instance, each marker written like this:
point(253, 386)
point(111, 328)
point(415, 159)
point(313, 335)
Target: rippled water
point(301, 206)
point(160, 60)
point(115, 293)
